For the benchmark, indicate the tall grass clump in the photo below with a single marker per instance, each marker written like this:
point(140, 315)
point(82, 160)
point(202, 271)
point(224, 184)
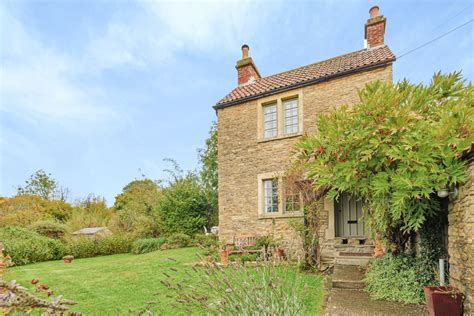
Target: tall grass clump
point(238, 290)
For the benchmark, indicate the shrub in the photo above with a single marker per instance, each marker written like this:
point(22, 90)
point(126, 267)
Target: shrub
point(206, 241)
point(146, 245)
point(265, 290)
point(85, 247)
point(49, 229)
point(398, 278)
point(25, 246)
point(183, 208)
point(178, 240)
point(265, 242)
point(17, 300)
point(249, 257)
point(393, 149)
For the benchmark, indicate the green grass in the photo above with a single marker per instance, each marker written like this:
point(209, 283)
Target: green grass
point(115, 284)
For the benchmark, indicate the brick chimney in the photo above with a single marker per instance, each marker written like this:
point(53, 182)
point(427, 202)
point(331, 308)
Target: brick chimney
point(375, 28)
point(247, 72)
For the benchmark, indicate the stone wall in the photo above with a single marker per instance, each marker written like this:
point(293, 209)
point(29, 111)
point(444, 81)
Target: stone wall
point(242, 156)
point(461, 240)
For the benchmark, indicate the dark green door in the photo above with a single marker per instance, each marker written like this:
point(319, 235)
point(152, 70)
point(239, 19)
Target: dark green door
point(349, 222)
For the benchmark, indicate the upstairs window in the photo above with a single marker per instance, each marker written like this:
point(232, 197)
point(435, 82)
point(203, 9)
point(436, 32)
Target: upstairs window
point(290, 116)
point(270, 189)
point(280, 116)
point(270, 122)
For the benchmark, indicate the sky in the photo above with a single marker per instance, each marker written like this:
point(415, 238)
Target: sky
point(98, 93)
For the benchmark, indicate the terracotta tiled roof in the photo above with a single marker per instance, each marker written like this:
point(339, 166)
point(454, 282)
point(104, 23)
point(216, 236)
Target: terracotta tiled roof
point(320, 71)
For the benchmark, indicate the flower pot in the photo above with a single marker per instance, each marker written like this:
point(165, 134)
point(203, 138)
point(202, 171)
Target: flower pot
point(224, 254)
point(278, 253)
point(443, 300)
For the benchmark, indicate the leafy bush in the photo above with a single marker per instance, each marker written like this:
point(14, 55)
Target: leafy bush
point(394, 149)
point(248, 257)
point(25, 246)
point(135, 208)
point(183, 207)
point(49, 229)
point(91, 211)
point(85, 247)
point(146, 245)
point(398, 278)
point(265, 242)
point(205, 241)
point(178, 240)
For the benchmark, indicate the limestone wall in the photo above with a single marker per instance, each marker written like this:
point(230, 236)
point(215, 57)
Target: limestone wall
point(242, 155)
point(461, 240)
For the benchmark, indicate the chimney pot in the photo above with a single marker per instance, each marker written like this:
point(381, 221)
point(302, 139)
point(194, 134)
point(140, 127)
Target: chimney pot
point(245, 51)
point(375, 28)
point(246, 70)
point(374, 11)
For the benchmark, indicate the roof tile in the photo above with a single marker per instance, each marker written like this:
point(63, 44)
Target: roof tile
point(318, 71)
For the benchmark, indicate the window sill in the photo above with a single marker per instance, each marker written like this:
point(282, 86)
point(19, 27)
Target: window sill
point(264, 140)
point(281, 215)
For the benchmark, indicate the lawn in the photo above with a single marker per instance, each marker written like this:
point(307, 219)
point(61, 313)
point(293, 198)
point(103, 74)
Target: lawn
point(119, 283)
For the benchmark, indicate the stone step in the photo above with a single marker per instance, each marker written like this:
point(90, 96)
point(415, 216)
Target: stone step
point(352, 260)
point(342, 246)
point(353, 285)
point(348, 277)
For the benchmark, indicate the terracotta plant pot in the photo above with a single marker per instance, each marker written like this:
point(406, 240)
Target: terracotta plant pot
point(443, 300)
point(278, 253)
point(224, 254)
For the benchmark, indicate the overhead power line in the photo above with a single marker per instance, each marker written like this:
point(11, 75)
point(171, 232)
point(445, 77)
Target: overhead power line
point(435, 39)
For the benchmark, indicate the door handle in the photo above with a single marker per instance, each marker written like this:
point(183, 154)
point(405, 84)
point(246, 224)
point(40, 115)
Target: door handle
point(352, 222)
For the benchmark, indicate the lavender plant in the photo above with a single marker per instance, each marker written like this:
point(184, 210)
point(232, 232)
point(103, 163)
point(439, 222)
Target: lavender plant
point(266, 289)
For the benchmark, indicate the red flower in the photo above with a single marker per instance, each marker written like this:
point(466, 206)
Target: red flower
point(34, 281)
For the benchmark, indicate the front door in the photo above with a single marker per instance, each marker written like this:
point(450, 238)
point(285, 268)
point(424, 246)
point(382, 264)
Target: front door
point(349, 222)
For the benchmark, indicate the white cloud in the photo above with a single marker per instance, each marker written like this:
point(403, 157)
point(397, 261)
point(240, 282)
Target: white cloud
point(38, 83)
point(157, 31)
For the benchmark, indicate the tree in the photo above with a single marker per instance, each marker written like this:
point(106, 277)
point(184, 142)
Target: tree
point(208, 173)
point(40, 184)
point(135, 207)
point(394, 150)
point(22, 210)
point(91, 211)
point(183, 208)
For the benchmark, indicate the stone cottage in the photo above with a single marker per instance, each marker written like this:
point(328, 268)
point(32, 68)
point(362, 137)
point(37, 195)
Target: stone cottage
point(461, 235)
point(260, 121)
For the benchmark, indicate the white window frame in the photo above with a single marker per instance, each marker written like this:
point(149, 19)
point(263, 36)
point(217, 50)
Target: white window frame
point(262, 210)
point(272, 131)
point(270, 206)
point(279, 100)
point(290, 115)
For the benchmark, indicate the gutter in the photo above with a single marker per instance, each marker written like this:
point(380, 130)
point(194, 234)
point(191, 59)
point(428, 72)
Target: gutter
point(303, 84)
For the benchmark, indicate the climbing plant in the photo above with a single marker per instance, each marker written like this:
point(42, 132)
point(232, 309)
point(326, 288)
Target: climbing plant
point(394, 148)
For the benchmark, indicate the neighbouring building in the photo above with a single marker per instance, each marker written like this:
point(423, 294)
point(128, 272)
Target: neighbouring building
point(260, 121)
point(93, 231)
point(461, 236)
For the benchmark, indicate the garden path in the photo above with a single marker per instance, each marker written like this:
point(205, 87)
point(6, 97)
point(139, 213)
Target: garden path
point(346, 297)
